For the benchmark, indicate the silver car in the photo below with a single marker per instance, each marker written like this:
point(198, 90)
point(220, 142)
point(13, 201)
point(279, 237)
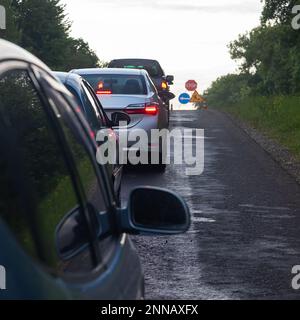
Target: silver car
point(129, 95)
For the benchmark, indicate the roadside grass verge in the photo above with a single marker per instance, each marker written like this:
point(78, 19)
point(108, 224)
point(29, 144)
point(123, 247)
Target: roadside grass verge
point(276, 117)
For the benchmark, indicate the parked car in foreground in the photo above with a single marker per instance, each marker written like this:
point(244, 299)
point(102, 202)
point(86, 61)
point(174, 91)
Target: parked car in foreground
point(62, 235)
point(92, 109)
point(130, 95)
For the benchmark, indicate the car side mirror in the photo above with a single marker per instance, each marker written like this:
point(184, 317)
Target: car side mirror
point(154, 211)
point(167, 95)
point(170, 79)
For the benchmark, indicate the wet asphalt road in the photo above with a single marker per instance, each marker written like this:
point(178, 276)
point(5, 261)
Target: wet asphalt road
point(245, 233)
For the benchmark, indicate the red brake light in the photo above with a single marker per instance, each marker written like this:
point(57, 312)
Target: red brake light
point(148, 109)
point(100, 85)
point(151, 110)
point(103, 92)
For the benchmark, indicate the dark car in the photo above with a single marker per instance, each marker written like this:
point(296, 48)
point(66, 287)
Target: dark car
point(92, 109)
point(62, 234)
point(157, 74)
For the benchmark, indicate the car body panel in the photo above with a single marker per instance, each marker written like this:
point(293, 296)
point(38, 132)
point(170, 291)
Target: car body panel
point(112, 103)
point(76, 83)
point(28, 278)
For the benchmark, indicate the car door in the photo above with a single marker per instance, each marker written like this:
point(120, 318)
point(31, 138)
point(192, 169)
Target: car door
point(118, 272)
point(39, 193)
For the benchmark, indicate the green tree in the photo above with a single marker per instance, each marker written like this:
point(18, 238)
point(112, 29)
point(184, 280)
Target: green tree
point(12, 32)
point(228, 90)
point(279, 11)
point(45, 30)
point(42, 27)
point(80, 55)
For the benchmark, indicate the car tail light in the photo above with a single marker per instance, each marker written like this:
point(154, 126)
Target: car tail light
point(150, 109)
point(103, 92)
point(164, 85)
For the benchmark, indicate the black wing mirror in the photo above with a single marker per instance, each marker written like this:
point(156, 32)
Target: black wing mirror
point(154, 211)
point(170, 79)
point(167, 95)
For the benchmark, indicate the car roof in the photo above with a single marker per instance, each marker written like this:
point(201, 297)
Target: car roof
point(111, 71)
point(10, 51)
point(68, 78)
point(73, 80)
point(134, 59)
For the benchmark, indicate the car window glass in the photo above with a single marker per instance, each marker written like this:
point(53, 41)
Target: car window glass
point(152, 86)
point(76, 96)
point(85, 165)
point(124, 84)
point(45, 173)
point(91, 179)
point(153, 67)
point(97, 104)
point(92, 114)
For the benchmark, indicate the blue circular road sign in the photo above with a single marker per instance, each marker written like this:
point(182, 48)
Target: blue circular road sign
point(184, 98)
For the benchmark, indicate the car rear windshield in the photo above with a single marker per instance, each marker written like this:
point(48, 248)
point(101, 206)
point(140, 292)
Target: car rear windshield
point(153, 67)
point(117, 83)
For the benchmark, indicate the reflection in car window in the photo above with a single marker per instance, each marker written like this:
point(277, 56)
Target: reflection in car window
point(23, 120)
point(92, 114)
point(96, 103)
point(83, 162)
point(76, 96)
point(92, 183)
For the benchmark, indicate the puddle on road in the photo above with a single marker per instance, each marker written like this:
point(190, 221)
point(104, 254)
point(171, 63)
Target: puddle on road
point(254, 207)
point(203, 220)
point(182, 119)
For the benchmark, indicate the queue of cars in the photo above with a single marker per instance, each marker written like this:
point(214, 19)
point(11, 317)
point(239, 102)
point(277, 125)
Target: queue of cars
point(63, 232)
point(130, 96)
point(155, 71)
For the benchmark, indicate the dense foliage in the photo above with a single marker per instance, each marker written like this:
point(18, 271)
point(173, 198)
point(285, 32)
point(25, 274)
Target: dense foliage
point(268, 56)
point(42, 28)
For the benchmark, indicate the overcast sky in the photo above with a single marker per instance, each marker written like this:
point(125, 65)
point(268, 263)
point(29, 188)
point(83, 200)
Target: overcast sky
point(188, 37)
